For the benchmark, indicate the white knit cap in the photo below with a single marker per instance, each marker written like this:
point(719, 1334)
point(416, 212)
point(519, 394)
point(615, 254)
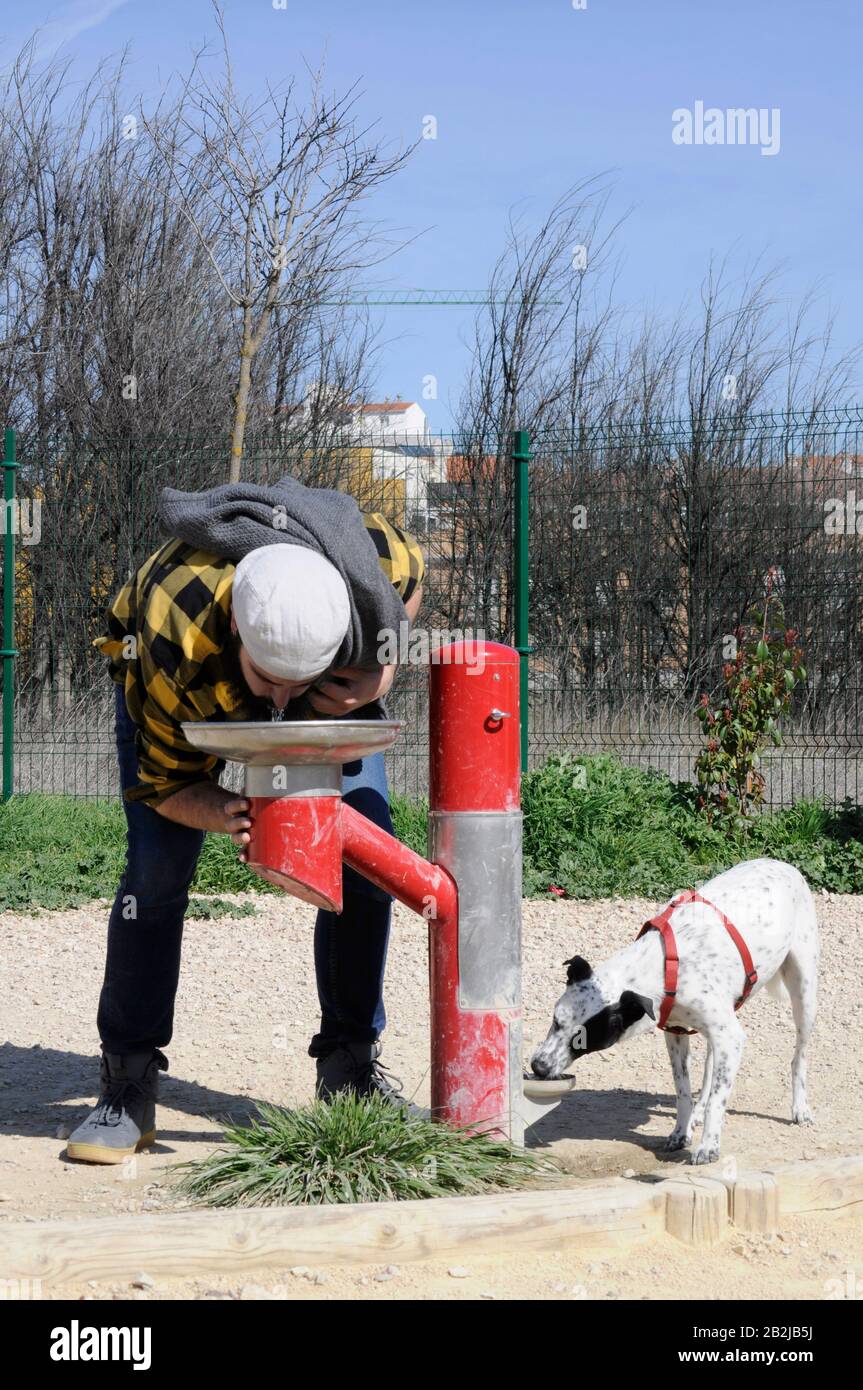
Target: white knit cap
point(292, 610)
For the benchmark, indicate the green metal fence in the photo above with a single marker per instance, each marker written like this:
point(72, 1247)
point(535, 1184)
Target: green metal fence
point(618, 559)
point(649, 541)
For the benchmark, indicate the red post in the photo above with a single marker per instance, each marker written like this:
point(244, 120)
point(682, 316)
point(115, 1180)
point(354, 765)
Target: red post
point(475, 833)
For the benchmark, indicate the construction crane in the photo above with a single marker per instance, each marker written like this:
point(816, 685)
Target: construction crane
point(393, 299)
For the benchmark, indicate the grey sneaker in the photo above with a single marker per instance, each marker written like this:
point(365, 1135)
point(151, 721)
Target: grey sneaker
point(355, 1067)
point(124, 1119)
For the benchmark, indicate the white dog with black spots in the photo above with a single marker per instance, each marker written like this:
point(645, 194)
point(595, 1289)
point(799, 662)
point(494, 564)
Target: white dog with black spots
point(772, 908)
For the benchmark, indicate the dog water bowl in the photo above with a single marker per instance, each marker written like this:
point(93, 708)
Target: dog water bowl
point(537, 1089)
point(539, 1098)
point(294, 743)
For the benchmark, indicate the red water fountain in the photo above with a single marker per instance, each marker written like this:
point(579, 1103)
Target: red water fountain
point(469, 888)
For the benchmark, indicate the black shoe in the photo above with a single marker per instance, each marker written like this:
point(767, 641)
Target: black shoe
point(124, 1119)
point(355, 1067)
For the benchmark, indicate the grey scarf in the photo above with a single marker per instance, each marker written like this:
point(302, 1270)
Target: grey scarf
point(235, 518)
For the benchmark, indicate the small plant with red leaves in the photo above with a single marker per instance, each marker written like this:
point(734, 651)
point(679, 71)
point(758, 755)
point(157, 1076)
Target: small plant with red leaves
point(758, 686)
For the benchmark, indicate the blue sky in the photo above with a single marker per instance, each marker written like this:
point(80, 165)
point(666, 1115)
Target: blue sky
point(529, 98)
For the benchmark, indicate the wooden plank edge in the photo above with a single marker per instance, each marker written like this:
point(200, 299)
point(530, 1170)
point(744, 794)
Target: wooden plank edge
point(189, 1243)
point(825, 1184)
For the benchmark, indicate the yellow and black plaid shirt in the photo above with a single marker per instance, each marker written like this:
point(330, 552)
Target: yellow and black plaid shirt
point(170, 645)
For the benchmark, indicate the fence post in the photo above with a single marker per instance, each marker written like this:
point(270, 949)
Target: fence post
point(7, 651)
point(521, 456)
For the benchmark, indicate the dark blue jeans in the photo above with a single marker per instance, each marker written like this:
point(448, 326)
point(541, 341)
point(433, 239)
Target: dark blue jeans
point(145, 929)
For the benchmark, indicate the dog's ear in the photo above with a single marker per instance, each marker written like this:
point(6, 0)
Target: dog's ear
point(577, 970)
point(634, 1006)
point(610, 1023)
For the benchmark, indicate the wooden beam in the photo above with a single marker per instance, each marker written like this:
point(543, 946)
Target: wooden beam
point(188, 1243)
point(822, 1185)
point(695, 1207)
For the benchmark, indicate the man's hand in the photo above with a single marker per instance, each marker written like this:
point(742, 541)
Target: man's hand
point(237, 823)
point(207, 806)
point(349, 689)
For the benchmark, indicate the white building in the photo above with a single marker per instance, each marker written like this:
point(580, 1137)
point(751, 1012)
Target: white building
point(402, 421)
point(397, 432)
point(402, 446)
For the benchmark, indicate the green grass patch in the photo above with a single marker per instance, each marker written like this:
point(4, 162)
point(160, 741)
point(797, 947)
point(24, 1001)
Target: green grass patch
point(63, 851)
point(593, 828)
point(209, 909)
point(351, 1149)
point(410, 821)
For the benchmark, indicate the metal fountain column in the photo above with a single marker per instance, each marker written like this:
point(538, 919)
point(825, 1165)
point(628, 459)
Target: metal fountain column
point(475, 833)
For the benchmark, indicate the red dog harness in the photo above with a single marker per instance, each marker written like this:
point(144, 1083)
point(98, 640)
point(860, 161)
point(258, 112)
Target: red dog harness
point(662, 923)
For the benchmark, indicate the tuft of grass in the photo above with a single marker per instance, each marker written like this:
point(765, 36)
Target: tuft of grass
point(351, 1149)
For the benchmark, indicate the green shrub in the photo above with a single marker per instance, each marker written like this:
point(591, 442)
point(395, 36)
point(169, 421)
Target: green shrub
point(594, 827)
point(759, 683)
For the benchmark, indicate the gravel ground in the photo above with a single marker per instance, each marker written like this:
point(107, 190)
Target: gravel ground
point(241, 1035)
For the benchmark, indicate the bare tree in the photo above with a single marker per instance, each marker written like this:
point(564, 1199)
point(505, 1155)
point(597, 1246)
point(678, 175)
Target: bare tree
point(539, 316)
point(656, 445)
point(118, 344)
point(281, 184)
point(536, 345)
point(690, 476)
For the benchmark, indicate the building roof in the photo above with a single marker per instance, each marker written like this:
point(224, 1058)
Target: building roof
point(386, 407)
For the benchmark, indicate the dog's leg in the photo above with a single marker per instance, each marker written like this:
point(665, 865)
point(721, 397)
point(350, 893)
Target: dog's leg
point(701, 1106)
point(678, 1055)
point(800, 978)
point(726, 1044)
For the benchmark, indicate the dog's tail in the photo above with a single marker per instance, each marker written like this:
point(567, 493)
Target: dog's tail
point(777, 989)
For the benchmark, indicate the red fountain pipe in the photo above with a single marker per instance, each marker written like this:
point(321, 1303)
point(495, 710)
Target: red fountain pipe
point(423, 887)
point(296, 843)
